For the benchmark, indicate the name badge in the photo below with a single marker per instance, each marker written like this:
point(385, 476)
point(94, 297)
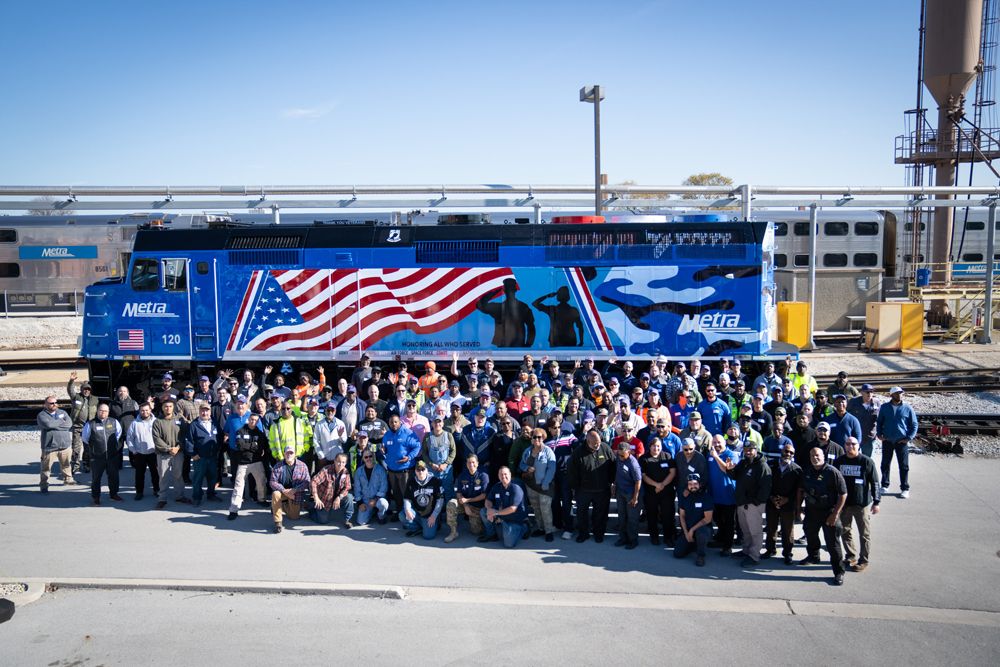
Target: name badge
point(625, 468)
point(697, 505)
point(859, 480)
point(665, 464)
point(77, 402)
point(178, 422)
point(99, 428)
point(691, 468)
point(831, 456)
point(497, 496)
point(246, 437)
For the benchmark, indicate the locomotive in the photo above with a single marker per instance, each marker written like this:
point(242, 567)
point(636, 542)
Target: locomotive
point(198, 299)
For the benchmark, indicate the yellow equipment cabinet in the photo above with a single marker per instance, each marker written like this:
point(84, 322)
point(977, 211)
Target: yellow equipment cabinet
point(894, 326)
point(793, 323)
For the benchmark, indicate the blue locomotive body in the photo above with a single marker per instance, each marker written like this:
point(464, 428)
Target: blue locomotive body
point(321, 293)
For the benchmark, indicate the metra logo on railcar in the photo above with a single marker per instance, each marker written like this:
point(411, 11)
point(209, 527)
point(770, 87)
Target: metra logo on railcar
point(150, 309)
point(709, 322)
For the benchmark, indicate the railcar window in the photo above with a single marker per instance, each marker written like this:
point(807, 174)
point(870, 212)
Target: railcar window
point(781, 229)
point(909, 259)
point(836, 229)
point(10, 270)
point(780, 260)
point(909, 226)
point(174, 275)
point(8, 236)
point(975, 226)
point(865, 259)
point(866, 229)
point(801, 260)
point(146, 275)
point(835, 259)
point(972, 257)
point(202, 268)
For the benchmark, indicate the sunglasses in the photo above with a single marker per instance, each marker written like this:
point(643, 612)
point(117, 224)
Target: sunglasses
point(537, 437)
point(367, 458)
point(688, 449)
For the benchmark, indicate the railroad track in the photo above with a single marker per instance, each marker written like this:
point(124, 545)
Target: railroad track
point(945, 424)
point(965, 380)
point(23, 413)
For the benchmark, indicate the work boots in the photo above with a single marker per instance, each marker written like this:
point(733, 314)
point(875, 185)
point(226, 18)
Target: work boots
point(453, 536)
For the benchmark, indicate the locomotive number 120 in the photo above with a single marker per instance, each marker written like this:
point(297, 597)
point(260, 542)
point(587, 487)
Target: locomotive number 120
point(171, 339)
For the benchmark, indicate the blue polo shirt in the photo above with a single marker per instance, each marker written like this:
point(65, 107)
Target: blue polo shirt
point(628, 475)
point(234, 423)
point(512, 496)
point(723, 487)
point(470, 486)
point(695, 507)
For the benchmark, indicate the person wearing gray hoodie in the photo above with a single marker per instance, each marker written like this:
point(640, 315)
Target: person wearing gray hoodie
point(57, 442)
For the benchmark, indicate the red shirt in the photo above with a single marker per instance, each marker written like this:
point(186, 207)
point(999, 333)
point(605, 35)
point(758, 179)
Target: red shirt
point(519, 407)
point(635, 444)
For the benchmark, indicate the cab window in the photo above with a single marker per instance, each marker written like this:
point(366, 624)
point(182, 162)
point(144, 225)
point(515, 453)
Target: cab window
point(145, 275)
point(174, 275)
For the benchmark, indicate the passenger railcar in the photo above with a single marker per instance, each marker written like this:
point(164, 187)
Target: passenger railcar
point(254, 295)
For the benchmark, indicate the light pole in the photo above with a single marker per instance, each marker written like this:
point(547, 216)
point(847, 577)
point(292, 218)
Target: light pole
point(595, 94)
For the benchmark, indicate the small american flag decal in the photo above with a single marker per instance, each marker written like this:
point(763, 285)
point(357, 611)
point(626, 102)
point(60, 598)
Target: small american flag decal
point(130, 339)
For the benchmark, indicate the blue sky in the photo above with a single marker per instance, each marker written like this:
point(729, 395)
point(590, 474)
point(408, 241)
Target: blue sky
point(138, 93)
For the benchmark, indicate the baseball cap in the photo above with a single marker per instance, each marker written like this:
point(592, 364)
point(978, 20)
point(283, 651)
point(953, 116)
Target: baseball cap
point(594, 371)
point(613, 380)
point(644, 376)
point(661, 359)
point(601, 411)
point(268, 387)
point(328, 388)
point(780, 411)
point(85, 385)
point(694, 415)
point(897, 390)
point(290, 448)
point(414, 380)
point(557, 381)
point(741, 383)
point(411, 400)
point(421, 465)
point(241, 399)
point(624, 400)
point(330, 407)
point(437, 418)
point(694, 477)
point(314, 381)
point(204, 378)
point(867, 387)
point(454, 383)
point(842, 374)
point(588, 416)
point(822, 426)
point(744, 417)
point(836, 396)
point(362, 433)
point(477, 411)
point(168, 376)
point(662, 422)
point(313, 401)
point(189, 388)
point(351, 389)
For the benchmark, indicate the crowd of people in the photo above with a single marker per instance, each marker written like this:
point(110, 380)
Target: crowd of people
point(704, 456)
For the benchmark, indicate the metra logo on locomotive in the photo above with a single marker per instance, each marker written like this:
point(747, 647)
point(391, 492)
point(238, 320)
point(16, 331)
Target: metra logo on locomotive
point(708, 322)
point(139, 309)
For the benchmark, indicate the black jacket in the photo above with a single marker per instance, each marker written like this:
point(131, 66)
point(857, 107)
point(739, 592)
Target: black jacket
point(592, 471)
point(250, 445)
point(753, 481)
point(785, 484)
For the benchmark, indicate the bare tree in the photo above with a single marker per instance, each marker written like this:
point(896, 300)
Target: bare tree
point(47, 211)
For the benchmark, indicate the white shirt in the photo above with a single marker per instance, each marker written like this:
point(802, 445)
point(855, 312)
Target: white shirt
point(327, 438)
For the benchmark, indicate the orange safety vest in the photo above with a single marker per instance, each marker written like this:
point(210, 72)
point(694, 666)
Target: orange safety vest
point(427, 381)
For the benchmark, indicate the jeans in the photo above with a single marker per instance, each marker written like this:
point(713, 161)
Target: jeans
point(325, 515)
point(814, 520)
point(513, 531)
point(628, 517)
point(447, 477)
point(701, 536)
point(97, 469)
point(420, 523)
point(902, 451)
point(203, 469)
point(365, 515)
point(868, 448)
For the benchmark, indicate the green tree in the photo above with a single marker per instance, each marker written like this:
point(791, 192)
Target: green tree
point(714, 178)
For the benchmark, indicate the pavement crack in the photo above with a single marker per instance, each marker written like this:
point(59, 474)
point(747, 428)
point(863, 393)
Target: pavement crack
point(790, 608)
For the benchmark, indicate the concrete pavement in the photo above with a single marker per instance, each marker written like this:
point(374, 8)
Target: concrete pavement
point(936, 550)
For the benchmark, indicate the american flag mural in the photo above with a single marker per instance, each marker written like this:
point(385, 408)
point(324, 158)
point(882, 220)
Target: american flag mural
point(323, 309)
point(131, 339)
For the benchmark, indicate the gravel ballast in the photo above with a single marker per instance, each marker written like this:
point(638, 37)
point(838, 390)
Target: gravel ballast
point(26, 333)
